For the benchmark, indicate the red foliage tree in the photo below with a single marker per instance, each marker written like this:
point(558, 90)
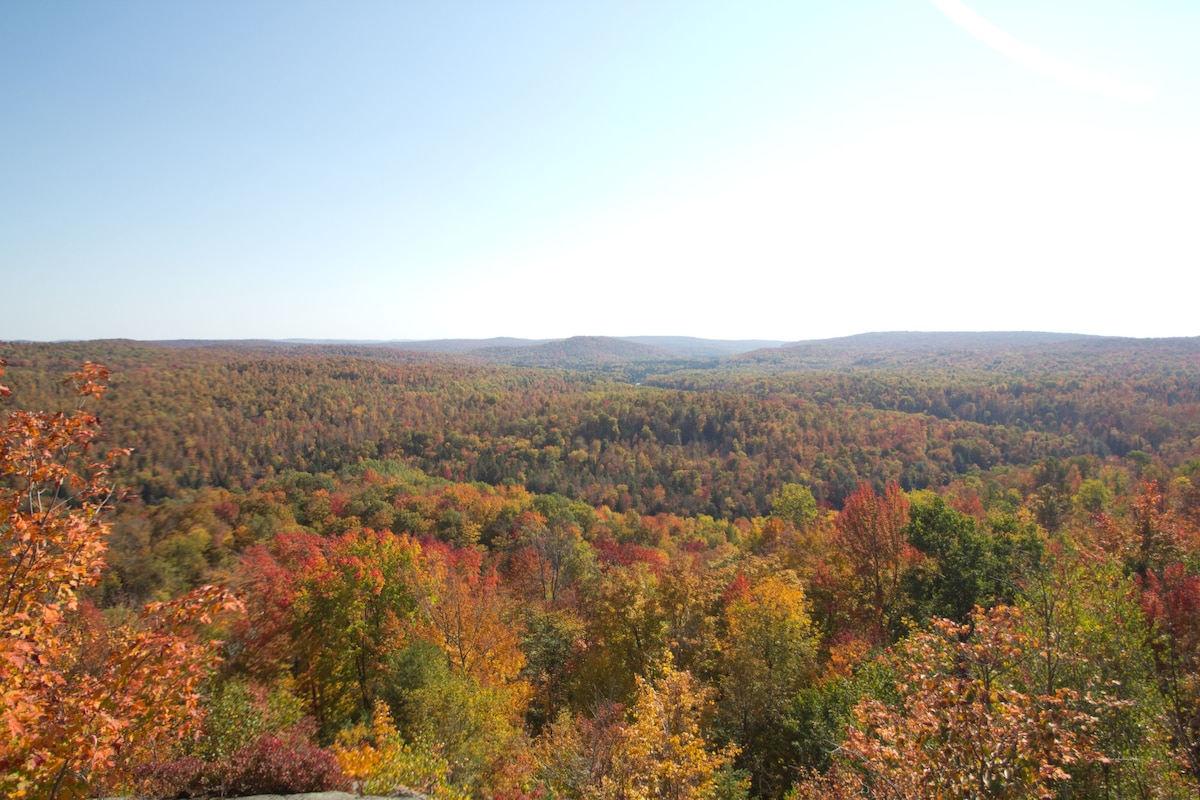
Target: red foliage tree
point(870, 536)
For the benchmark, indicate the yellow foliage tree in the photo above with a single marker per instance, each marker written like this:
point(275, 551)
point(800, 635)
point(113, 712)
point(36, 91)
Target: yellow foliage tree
point(662, 753)
point(379, 761)
point(769, 653)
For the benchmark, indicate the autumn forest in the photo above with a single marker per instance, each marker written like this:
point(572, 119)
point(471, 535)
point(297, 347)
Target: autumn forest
point(885, 566)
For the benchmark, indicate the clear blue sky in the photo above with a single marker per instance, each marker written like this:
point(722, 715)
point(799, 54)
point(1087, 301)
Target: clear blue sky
point(783, 170)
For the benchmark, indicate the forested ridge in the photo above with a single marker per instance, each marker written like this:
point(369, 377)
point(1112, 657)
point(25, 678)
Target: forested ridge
point(923, 565)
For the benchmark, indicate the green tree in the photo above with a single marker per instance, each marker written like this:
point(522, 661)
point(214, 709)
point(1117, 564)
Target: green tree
point(963, 566)
point(352, 613)
point(795, 503)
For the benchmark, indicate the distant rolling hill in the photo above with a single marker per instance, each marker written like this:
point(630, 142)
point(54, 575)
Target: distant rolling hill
point(678, 346)
point(636, 357)
point(463, 345)
point(576, 352)
point(936, 350)
point(691, 347)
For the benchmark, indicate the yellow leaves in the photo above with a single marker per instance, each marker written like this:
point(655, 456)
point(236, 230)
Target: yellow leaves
point(660, 753)
point(773, 598)
point(770, 637)
point(361, 751)
point(663, 753)
point(380, 762)
point(845, 655)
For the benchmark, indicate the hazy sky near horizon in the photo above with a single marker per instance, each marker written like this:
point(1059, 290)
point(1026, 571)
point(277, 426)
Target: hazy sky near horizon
point(758, 169)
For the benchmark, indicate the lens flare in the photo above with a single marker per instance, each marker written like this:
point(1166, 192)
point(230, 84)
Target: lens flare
point(1036, 60)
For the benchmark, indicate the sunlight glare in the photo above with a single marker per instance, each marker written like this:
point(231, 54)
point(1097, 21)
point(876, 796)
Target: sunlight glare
point(1038, 61)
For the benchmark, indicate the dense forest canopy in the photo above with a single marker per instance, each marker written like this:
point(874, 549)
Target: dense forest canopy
point(828, 569)
point(716, 441)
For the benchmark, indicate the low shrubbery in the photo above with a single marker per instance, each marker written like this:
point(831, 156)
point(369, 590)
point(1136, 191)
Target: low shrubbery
point(271, 764)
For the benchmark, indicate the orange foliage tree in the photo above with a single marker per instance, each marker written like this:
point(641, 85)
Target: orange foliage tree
point(79, 702)
point(468, 614)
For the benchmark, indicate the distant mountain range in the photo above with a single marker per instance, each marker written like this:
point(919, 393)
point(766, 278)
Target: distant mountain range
point(644, 355)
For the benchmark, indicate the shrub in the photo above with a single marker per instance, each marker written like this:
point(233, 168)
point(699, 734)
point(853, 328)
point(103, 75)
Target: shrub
point(180, 777)
point(287, 763)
